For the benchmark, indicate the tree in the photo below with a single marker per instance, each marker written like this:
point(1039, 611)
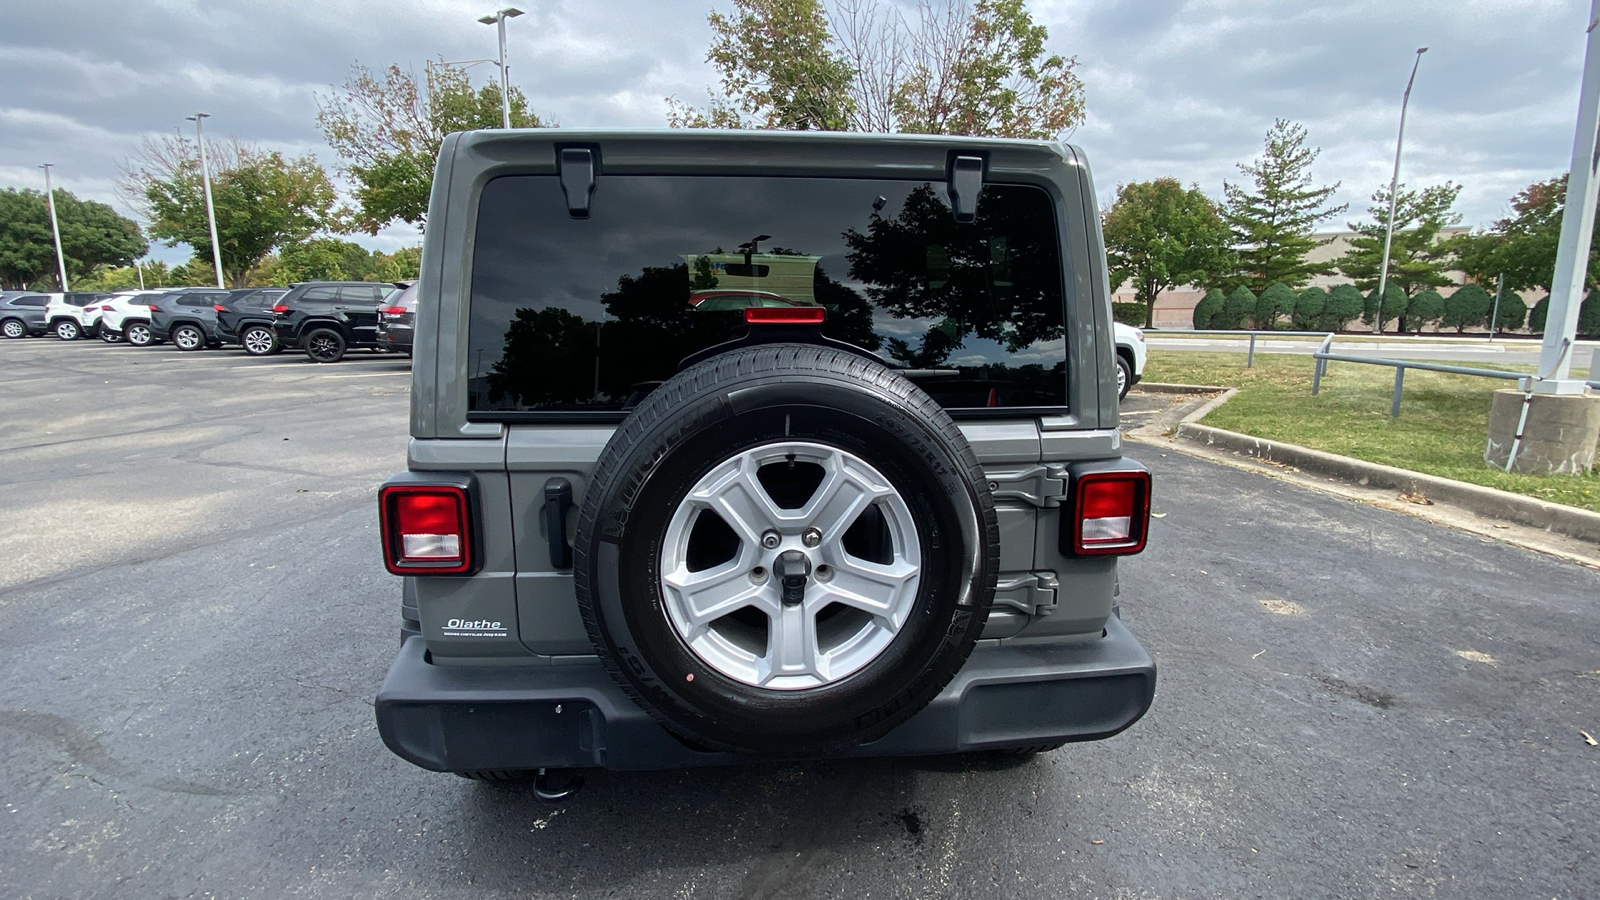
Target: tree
point(1513, 313)
point(92, 235)
point(324, 259)
point(1417, 258)
point(971, 68)
point(1523, 245)
point(1468, 307)
point(1160, 235)
point(1394, 306)
point(1276, 301)
point(1308, 309)
point(1208, 307)
point(1272, 224)
point(1343, 306)
point(262, 199)
point(1240, 305)
point(1426, 308)
point(387, 128)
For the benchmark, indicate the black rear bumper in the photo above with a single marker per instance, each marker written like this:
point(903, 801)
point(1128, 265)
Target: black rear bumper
point(456, 719)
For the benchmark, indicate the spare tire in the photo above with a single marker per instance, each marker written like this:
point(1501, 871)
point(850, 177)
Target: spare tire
point(785, 550)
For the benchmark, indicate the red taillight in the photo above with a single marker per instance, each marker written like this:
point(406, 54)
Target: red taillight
point(392, 310)
point(280, 308)
point(219, 307)
point(105, 309)
point(784, 315)
point(425, 529)
point(1111, 513)
point(153, 307)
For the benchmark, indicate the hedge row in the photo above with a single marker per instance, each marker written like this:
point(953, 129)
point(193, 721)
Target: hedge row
point(1314, 309)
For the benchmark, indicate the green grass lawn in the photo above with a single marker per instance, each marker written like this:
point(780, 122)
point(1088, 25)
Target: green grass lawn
point(1444, 419)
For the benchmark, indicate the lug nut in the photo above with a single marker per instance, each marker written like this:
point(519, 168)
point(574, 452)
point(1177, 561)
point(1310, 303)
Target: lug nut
point(770, 540)
point(758, 575)
point(811, 538)
point(823, 573)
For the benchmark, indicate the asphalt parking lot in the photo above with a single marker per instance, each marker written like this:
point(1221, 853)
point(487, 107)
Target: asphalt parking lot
point(194, 618)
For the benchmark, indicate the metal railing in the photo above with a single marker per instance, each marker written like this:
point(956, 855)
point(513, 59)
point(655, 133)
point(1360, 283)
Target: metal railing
point(1322, 357)
point(1250, 358)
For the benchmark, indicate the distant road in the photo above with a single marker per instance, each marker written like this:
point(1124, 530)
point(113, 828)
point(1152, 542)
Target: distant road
point(1516, 352)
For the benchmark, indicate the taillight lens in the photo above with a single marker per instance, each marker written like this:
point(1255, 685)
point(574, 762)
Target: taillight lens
point(219, 307)
point(1111, 513)
point(105, 309)
point(784, 315)
point(425, 529)
point(153, 307)
point(392, 310)
point(280, 308)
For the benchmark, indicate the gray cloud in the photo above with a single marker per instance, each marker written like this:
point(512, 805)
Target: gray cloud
point(1182, 88)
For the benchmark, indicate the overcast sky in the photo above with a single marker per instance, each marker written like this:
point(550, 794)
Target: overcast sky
point(1181, 88)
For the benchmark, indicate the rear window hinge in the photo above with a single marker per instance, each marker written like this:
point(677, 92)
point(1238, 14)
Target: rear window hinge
point(577, 179)
point(1042, 486)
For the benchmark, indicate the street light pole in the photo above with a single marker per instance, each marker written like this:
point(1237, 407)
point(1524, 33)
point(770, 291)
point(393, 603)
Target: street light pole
point(499, 20)
point(1394, 185)
point(205, 177)
point(55, 229)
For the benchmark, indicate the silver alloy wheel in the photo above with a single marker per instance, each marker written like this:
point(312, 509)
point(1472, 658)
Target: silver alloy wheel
point(15, 329)
point(109, 336)
point(138, 334)
point(258, 341)
point(67, 331)
point(187, 338)
point(1122, 379)
point(733, 614)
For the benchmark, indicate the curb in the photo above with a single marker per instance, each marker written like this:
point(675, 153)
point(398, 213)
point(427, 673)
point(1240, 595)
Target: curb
point(1483, 501)
point(1157, 387)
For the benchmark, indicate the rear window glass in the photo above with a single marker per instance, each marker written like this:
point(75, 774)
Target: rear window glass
point(320, 294)
point(591, 314)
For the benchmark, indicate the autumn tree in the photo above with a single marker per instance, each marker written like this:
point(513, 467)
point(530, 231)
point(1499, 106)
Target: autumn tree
point(1159, 235)
point(1417, 258)
point(969, 67)
point(93, 235)
point(1274, 218)
point(387, 126)
point(263, 200)
point(1522, 246)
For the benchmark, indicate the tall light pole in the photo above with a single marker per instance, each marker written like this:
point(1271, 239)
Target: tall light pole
point(1394, 185)
point(499, 19)
point(55, 229)
point(205, 178)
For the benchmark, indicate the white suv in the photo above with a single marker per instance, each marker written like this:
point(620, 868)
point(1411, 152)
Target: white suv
point(1131, 353)
point(127, 315)
point(74, 314)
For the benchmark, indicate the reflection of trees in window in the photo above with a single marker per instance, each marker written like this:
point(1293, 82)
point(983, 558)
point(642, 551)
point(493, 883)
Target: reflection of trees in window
point(849, 316)
point(998, 277)
point(548, 360)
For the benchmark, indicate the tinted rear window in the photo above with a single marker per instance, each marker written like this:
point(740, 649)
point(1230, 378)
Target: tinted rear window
point(590, 314)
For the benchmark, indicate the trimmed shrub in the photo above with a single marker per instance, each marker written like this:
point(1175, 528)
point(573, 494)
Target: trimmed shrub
point(1308, 309)
point(1394, 306)
point(1426, 308)
point(1467, 308)
point(1275, 302)
point(1513, 312)
point(1589, 319)
point(1343, 307)
point(1240, 305)
point(1208, 307)
point(1128, 313)
point(1538, 315)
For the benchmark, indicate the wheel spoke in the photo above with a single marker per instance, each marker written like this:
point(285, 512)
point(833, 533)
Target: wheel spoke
point(738, 497)
point(707, 596)
point(792, 647)
point(843, 495)
point(878, 590)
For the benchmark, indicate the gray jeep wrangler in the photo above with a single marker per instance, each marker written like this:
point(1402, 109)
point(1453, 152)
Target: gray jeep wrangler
point(728, 446)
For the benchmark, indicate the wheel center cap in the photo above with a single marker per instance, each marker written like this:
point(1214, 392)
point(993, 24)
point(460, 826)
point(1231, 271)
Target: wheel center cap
point(793, 569)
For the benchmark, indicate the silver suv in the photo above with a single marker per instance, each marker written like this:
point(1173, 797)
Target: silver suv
point(740, 446)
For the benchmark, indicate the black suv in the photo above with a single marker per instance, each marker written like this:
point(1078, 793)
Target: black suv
point(397, 321)
point(246, 319)
point(326, 318)
point(187, 317)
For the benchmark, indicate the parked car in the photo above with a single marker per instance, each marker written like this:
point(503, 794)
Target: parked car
point(245, 318)
point(397, 320)
point(326, 318)
point(74, 314)
point(126, 316)
point(23, 315)
point(639, 534)
point(1131, 355)
point(187, 317)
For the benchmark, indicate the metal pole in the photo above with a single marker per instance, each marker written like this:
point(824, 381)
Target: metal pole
point(140, 266)
point(1250, 360)
point(1494, 317)
point(55, 229)
point(1572, 254)
point(505, 77)
point(1394, 185)
point(1399, 384)
point(205, 178)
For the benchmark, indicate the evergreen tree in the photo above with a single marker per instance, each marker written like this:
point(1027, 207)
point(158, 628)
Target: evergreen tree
point(1273, 223)
point(1467, 308)
point(1276, 301)
point(1344, 305)
point(1206, 310)
point(1426, 308)
point(1394, 307)
point(1308, 309)
point(1513, 312)
point(1240, 305)
point(1417, 258)
point(1539, 314)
